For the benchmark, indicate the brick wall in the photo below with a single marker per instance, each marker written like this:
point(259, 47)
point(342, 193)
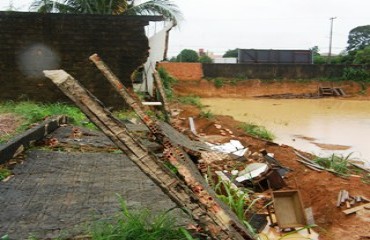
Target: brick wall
point(32, 42)
point(184, 71)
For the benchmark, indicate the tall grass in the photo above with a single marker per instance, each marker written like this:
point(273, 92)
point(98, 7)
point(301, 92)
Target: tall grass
point(336, 163)
point(257, 131)
point(138, 225)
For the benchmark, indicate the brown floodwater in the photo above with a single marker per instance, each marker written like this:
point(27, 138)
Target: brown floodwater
point(319, 126)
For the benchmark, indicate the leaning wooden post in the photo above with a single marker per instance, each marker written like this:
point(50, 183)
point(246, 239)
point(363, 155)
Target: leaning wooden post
point(162, 94)
point(181, 194)
point(177, 157)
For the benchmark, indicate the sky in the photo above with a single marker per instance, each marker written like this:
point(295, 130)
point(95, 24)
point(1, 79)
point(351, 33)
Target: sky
point(217, 26)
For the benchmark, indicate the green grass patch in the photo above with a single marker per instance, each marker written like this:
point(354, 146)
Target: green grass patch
point(138, 225)
point(336, 163)
point(206, 114)
point(4, 173)
point(257, 131)
point(32, 112)
point(191, 100)
point(219, 82)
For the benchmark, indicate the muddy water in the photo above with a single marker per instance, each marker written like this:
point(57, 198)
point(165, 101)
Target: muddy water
point(319, 126)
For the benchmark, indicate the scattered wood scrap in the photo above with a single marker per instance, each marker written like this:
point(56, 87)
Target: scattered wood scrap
point(355, 209)
point(309, 163)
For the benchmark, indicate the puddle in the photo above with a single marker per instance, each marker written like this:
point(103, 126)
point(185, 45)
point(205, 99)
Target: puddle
point(318, 126)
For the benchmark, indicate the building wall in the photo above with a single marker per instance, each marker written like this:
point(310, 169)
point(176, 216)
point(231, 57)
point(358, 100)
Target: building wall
point(157, 45)
point(32, 42)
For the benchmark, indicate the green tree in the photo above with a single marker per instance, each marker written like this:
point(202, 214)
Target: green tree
point(358, 38)
point(362, 56)
point(231, 53)
point(166, 8)
point(187, 55)
point(205, 59)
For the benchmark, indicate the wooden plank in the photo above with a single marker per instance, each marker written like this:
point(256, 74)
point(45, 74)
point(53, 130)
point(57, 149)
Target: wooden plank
point(339, 198)
point(310, 165)
point(24, 140)
point(355, 209)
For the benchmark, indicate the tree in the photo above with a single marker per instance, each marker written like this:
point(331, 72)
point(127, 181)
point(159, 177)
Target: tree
point(362, 56)
point(231, 53)
point(188, 55)
point(358, 38)
point(166, 8)
point(205, 59)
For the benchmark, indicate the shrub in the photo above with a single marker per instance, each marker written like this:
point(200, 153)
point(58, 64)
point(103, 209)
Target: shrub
point(356, 74)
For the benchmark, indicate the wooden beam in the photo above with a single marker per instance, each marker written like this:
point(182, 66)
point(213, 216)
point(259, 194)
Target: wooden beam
point(355, 209)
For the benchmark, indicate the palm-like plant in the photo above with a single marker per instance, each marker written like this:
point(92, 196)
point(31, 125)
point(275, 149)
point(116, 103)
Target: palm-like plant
point(167, 8)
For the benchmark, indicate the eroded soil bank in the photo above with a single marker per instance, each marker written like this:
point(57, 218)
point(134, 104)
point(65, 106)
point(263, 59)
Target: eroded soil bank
point(232, 88)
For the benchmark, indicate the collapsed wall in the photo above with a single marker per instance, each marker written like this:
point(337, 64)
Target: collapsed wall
point(32, 42)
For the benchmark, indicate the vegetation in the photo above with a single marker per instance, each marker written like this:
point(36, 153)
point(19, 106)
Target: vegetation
point(362, 56)
point(356, 74)
point(4, 173)
point(205, 59)
point(139, 225)
point(239, 203)
point(337, 163)
point(358, 38)
point(187, 55)
point(208, 114)
point(218, 82)
point(32, 112)
point(168, 81)
point(167, 8)
point(231, 53)
point(257, 131)
point(192, 100)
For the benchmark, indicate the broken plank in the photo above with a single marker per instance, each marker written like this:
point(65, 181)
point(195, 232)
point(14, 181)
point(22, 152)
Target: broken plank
point(355, 209)
point(311, 165)
point(339, 200)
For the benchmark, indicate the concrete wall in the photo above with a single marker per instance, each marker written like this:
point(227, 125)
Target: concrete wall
point(274, 71)
point(157, 45)
point(32, 42)
point(184, 71)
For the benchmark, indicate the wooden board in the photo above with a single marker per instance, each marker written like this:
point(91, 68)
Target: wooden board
point(355, 209)
point(289, 209)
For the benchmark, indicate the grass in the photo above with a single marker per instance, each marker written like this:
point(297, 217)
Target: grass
point(168, 82)
point(239, 203)
point(4, 173)
point(138, 225)
point(191, 100)
point(257, 131)
point(336, 163)
point(206, 114)
point(32, 112)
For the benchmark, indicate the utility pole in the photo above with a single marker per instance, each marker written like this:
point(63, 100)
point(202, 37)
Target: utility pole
point(331, 38)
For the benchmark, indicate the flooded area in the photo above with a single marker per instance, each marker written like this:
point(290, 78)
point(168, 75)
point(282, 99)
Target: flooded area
point(318, 126)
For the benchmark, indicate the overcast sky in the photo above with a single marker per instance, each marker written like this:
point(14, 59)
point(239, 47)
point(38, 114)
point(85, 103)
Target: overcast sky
point(219, 25)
